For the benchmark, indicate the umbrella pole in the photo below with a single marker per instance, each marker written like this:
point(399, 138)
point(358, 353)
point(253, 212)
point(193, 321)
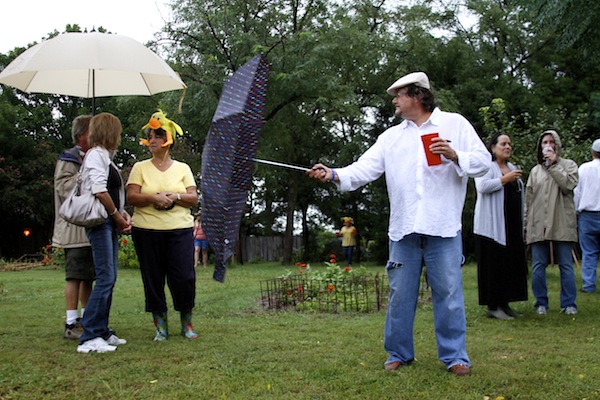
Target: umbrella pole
point(93, 92)
point(278, 164)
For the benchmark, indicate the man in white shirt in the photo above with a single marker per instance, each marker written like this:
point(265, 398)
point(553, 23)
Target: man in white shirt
point(426, 203)
point(587, 204)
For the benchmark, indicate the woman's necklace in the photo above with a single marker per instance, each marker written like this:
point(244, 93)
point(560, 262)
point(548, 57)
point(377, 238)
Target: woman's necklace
point(165, 160)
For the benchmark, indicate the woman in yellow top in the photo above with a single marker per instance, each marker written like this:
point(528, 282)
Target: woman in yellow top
point(348, 233)
point(163, 191)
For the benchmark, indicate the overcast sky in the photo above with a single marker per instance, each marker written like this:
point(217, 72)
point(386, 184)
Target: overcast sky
point(27, 21)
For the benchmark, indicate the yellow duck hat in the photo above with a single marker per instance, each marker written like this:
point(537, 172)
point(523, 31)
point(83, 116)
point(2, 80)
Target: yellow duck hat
point(159, 120)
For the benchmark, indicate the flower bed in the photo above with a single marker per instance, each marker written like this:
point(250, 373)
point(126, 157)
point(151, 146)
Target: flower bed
point(334, 290)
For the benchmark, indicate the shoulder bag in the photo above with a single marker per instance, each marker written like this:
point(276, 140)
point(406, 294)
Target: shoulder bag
point(82, 207)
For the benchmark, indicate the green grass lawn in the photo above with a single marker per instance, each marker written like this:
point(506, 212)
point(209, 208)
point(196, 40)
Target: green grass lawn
point(245, 352)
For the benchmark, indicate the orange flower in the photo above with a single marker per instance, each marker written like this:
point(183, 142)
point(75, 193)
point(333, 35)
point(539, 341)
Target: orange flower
point(300, 288)
point(124, 242)
point(298, 264)
point(303, 265)
point(332, 261)
point(301, 271)
point(330, 288)
point(347, 269)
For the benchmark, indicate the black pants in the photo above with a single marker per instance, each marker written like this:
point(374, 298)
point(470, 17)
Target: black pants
point(167, 255)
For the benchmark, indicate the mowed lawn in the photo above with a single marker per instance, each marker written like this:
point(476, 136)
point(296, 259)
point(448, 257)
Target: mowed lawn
point(245, 352)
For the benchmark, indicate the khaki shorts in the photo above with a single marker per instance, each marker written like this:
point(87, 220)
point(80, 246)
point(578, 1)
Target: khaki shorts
point(79, 264)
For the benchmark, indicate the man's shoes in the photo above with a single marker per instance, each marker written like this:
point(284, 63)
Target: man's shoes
point(460, 370)
point(97, 345)
point(392, 366)
point(582, 290)
point(542, 310)
point(114, 340)
point(73, 331)
point(569, 310)
point(499, 314)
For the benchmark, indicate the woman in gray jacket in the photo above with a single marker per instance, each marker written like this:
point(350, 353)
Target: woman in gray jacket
point(550, 220)
point(498, 228)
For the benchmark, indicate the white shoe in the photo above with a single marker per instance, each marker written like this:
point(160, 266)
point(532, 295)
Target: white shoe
point(113, 340)
point(569, 310)
point(98, 345)
point(542, 310)
point(499, 314)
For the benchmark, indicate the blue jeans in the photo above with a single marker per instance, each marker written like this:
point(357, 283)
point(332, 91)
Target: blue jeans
point(105, 250)
point(442, 258)
point(348, 253)
point(540, 256)
point(588, 224)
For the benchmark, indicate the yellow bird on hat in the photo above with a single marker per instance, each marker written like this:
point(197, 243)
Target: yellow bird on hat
point(159, 120)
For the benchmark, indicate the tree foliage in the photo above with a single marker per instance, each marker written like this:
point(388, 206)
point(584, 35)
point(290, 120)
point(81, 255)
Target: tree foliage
point(508, 65)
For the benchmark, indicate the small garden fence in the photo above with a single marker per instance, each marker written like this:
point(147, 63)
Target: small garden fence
point(330, 292)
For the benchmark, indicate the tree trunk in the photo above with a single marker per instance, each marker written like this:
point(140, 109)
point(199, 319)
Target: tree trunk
point(288, 239)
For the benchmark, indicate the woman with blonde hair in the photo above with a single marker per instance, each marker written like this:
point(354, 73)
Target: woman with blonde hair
point(103, 177)
point(348, 233)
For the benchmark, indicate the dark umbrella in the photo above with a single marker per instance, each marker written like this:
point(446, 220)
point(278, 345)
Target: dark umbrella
point(228, 158)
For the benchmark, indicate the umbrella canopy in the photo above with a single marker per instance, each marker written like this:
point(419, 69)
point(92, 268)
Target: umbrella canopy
point(91, 65)
point(228, 158)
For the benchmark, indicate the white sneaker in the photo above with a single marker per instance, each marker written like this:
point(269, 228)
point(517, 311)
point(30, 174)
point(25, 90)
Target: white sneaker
point(569, 310)
point(542, 310)
point(98, 345)
point(113, 340)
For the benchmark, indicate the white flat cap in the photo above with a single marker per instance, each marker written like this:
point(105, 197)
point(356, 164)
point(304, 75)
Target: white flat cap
point(596, 146)
point(418, 78)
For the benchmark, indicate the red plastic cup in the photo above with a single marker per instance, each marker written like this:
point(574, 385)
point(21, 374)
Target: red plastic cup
point(432, 159)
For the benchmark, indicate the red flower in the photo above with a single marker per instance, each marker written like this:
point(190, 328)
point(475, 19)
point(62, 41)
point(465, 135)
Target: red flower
point(124, 242)
point(300, 288)
point(330, 288)
point(303, 265)
point(332, 255)
point(289, 293)
point(301, 271)
point(48, 247)
point(347, 269)
point(298, 264)
point(332, 261)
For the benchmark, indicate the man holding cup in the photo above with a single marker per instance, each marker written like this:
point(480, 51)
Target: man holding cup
point(426, 181)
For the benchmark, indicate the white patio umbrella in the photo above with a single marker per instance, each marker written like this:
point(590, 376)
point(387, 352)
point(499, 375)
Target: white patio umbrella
point(91, 65)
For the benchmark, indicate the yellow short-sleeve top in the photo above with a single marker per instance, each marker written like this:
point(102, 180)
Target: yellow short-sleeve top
point(175, 179)
point(348, 233)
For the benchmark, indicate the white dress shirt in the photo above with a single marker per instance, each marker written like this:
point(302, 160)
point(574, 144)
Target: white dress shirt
point(425, 200)
point(587, 191)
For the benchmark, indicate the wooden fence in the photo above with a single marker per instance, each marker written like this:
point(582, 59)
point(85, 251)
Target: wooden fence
point(267, 248)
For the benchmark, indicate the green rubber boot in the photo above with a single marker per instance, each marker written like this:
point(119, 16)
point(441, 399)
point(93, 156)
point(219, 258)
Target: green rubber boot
point(187, 330)
point(162, 329)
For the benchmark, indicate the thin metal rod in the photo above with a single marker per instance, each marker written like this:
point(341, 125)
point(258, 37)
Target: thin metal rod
point(278, 164)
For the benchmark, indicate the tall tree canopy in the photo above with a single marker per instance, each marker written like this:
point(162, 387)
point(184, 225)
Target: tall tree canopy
point(504, 64)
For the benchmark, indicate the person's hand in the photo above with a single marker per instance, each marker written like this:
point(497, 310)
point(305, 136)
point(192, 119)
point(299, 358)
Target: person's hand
point(513, 175)
point(442, 146)
point(549, 156)
point(162, 201)
point(127, 219)
point(320, 172)
point(123, 222)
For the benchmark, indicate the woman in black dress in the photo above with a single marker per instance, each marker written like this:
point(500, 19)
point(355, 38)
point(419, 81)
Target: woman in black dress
point(498, 228)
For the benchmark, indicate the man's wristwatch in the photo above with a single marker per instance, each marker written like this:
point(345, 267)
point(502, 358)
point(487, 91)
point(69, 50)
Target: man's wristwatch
point(178, 197)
